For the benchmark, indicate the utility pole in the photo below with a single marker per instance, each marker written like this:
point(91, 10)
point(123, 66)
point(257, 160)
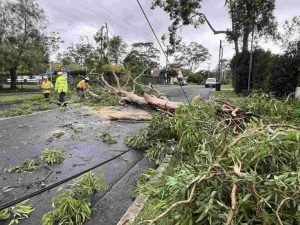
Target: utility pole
point(50, 67)
point(208, 71)
point(106, 31)
point(166, 74)
point(220, 66)
point(250, 62)
point(221, 73)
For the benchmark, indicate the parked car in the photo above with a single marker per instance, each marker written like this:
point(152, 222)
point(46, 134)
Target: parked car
point(210, 83)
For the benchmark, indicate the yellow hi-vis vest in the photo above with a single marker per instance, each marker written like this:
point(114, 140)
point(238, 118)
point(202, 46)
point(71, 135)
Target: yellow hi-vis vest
point(46, 86)
point(61, 84)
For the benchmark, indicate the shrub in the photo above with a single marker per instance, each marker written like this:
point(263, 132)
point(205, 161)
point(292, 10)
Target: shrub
point(196, 78)
point(285, 74)
point(240, 68)
point(270, 73)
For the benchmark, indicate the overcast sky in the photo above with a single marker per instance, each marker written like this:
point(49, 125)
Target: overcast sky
point(74, 19)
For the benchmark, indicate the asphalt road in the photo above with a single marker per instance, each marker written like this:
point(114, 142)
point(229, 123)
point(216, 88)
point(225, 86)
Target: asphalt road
point(181, 93)
point(25, 137)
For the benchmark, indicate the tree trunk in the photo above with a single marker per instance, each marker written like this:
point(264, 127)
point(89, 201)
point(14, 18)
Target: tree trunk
point(13, 78)
point(246, 39)
point(236, 46)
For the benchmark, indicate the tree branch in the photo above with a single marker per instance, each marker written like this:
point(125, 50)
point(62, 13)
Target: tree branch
point(174, 205)
point(209, 24)
point(233, 205)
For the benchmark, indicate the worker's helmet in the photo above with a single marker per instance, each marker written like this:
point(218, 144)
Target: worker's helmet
point(45, 78)
point(59, 73)
point(87, 79)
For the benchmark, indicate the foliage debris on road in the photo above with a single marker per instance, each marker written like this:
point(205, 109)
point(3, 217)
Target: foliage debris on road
point(231, 163)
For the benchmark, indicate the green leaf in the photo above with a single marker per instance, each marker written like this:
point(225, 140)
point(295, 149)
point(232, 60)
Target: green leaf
point(246, 197)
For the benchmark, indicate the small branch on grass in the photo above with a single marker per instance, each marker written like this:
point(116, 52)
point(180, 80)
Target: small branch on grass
point(190, 198)
point(233, 205)
point(283, 125)
point(234, 142)
point(173, 206)
point(278, 209)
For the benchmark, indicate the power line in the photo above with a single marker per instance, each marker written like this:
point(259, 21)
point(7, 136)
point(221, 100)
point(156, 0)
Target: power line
point(153, 30)
point(160, 44)
point(109, 19)
point(65, 14)
point(118, 17)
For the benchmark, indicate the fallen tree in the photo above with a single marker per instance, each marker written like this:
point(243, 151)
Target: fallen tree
point(158, 101)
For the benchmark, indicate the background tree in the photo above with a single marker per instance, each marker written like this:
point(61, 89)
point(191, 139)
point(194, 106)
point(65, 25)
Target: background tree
point(146, 52)
point(116, 49)
point(22, 39)
point(135, 65)
point(290, 37)
point(83, 55)
point(191, 56)
point(246, 15)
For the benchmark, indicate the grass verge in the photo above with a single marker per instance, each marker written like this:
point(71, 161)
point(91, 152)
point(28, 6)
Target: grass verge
point(13, 99)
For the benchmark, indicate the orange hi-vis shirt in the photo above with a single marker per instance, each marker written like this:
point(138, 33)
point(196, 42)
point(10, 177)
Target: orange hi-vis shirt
point(83, 85)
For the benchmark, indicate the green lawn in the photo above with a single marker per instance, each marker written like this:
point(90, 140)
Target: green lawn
point(13, 98)
point(226, 87)
point(20, 89)
point(224, 94)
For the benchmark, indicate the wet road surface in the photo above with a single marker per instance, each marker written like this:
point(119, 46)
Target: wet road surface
point(24, 138)
point(177, 93)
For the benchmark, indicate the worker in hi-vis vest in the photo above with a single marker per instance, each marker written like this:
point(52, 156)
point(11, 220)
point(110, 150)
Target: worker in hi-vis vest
point(61, 86)
point(46, 86)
